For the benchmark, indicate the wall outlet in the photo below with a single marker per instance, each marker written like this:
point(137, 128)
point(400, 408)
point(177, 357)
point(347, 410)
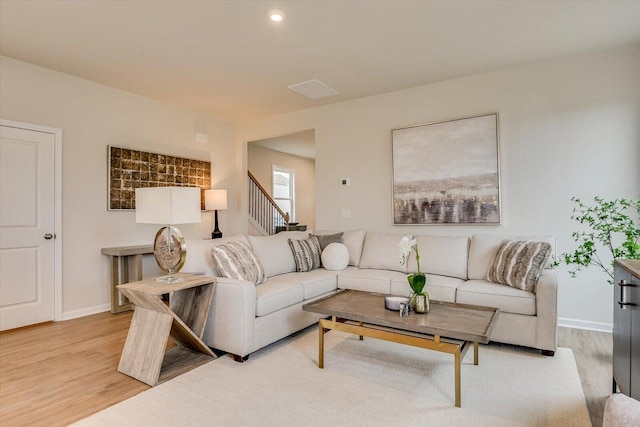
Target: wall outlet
point(345, 213)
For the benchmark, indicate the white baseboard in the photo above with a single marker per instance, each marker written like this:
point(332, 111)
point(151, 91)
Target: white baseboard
point(584, 324)
point(85, 311)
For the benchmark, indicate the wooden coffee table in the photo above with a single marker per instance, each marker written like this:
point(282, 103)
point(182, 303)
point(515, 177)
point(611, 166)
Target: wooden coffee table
point(447, 327)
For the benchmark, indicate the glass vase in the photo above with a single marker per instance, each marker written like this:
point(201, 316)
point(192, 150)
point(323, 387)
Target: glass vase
point(420, 303)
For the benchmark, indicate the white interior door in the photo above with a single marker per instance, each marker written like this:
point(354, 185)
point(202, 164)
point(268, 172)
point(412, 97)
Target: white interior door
point(27, 227)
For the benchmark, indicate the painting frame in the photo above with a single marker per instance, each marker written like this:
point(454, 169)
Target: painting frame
point(447, 172)
point(130, 168)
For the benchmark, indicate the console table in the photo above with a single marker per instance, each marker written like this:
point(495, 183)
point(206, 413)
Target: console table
point(145, 356)
point(120, 257)
point(296, 227)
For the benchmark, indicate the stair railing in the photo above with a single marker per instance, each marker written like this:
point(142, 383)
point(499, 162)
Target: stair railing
point(264, 210)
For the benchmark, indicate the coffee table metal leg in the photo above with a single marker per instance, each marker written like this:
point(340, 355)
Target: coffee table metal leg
point(361, 337)
point(457, 378)
point(320, 345)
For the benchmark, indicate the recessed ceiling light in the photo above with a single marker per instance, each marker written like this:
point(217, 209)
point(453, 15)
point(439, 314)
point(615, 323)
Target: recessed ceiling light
point(276, 15)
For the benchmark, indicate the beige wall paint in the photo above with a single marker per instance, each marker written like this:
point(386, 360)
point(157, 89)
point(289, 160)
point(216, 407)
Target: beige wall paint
point(91, 117)
point(568, 127)
point(260, 163)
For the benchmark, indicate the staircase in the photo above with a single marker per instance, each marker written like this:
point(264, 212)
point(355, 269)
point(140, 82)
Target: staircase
point(263, 210)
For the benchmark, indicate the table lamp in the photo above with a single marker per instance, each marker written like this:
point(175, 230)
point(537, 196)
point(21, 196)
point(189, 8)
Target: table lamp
point(215, 200)
point(169, 206)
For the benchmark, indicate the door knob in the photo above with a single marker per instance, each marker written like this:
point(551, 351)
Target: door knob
point(49, 236)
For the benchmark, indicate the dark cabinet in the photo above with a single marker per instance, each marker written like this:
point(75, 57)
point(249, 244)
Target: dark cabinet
point(626, 327)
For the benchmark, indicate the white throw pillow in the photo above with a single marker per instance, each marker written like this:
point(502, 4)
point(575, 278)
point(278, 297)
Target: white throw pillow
point(335, 257)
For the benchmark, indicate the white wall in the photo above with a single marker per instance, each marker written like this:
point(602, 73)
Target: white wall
point(568, 127)
point(91, 117)
point(260, 162)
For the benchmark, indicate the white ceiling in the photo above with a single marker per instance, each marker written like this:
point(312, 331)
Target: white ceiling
point(301, 144)
point(225, 58)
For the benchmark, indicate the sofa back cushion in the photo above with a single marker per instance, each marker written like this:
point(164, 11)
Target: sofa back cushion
point(381, 251)
point(483, 249)
point(199, 254)
point(275, 253)
point(441, 255)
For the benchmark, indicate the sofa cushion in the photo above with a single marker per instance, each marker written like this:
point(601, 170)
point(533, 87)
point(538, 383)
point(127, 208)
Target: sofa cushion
point(277, 293)
point(369, 280)
point(335, 257)
point(440, 288)
point(483, 248)
point(326, 239)
point(441, 255)
point(274, 252)
point(199, 260)
point(506, 298)
point(306, 253)
point(236, 260)
point(380, 251)
point(318, 282)
point(518, 263)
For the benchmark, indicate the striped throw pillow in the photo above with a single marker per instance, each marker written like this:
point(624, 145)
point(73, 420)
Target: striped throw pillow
point(306, 253)
point(519, 263)
point(236, 260)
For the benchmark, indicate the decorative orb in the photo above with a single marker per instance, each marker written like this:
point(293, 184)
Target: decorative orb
point(335, 256)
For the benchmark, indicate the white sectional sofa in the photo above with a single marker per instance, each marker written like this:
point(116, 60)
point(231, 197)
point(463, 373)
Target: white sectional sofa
point(246, 317)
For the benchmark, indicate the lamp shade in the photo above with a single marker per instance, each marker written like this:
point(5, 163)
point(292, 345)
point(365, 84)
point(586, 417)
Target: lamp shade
point(168, 205)
point(215, 200)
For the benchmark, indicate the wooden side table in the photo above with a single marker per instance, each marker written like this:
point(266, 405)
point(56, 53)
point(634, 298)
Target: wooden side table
point(145, 356)
point(120, 258)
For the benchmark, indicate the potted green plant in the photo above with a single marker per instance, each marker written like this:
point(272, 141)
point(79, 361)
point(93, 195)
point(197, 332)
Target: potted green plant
point(419, 298)
point(610, 226)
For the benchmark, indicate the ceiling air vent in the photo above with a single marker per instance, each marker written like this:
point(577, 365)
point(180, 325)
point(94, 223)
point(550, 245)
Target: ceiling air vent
point(313, 89)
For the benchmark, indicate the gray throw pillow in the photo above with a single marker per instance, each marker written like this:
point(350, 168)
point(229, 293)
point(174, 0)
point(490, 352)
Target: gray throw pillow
point(519, 263)
point(326, 239)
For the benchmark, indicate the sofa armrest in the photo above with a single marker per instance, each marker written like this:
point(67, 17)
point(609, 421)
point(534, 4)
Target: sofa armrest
point(547, 311)
point(231, 322)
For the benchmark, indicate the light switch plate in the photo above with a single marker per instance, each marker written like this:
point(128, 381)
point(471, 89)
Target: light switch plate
point(345, 213)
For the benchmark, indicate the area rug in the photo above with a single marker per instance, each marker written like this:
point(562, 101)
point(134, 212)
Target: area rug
point(364, 383)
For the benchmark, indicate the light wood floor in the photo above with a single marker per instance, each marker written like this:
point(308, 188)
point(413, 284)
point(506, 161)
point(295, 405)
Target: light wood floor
point(58, 373)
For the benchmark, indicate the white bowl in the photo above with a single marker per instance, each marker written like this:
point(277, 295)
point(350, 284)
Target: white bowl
point(393, 302)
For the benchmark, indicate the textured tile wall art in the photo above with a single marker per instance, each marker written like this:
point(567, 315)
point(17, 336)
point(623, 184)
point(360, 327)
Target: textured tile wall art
point(130, 169)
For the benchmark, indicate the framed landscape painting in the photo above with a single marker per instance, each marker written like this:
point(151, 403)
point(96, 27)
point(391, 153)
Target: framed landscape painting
point(447, 172)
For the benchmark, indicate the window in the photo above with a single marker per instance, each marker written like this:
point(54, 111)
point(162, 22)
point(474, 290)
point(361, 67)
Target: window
point(284, 190)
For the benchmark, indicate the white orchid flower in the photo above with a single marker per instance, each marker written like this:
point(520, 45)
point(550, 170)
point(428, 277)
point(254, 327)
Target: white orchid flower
point(405, 245)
